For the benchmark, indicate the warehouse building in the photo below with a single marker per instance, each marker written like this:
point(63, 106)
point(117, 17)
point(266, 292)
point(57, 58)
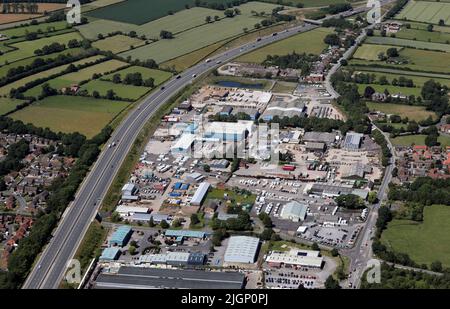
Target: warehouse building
point(353, 141)
point(320, 137)
point(121, 236)
point(183, 145)
point(294, 258)
point(129, 192)
point(174, 258)
point(320, 189)
point(194, 177)
point(177, 258)
point(200, 194)
point(181, 235)
point(315, 146)
point(294, 211)
point(110, 254)
point(126, 211)
point(157, 218)
point(228, 131)
point(157, 278)
point(283, 108)
point(241, 249)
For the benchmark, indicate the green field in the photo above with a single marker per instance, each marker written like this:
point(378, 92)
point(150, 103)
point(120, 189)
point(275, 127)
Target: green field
point(308, 42)
point(7, 105)
point(22, 82)
point(118, 43)
point(392, 89)
point(425, 11)
point(416, 113)
point(142, 11)
point(123, 91)
point(26, 49)
point(238, 199)
point(158, 75)
point(370, 51)
point(44, 27)
point(284, 87)
point(71, 114)
point(67, 80)
point(418, 60)
point(423, 242)
point(406, 43)
point(419, 139)
point(399, 71)
point(423, 35)
point(418, 80)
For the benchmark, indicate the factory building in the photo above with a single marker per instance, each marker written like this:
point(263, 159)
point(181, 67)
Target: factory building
point(129, 192)
point(126, 211)
point(121, 236)
point(241, 249)
point(283, 108)
point(174, 259)
point(110, 254)
point(294, 258)
point(320, 189)
point(228, 131)
point(294, 211)
point(200, 194)
point(320, 137)
point(353, 141)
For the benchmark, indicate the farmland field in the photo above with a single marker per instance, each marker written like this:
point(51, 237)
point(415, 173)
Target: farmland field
point(21, 31)
point(418, 80)
point(26, 49)
point(392, 89)
point(6, 89)
point(7, 105)
point(158, 75)
point(422, 35)
point(71, 114)
point(308, 42)
point(123, 91)
point(418, 139)
point(416, 113)
point(371, 51)
point(399, 71)
point(425, 11)
point(407, 43)
point(117, 43)
point(424, 242)
point(81, 75)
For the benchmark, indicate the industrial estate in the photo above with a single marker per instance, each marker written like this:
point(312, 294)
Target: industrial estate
point(223, 144)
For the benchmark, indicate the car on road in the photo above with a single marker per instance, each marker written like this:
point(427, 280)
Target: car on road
point(218, 61)
point(208, 60)
point(194, 75)
point(178, 76)
point(274, 34)
point(258, 39)
point(162, 88)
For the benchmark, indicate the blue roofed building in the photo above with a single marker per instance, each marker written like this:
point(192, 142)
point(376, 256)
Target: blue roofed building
point(186, 234)
point(110, 254)
point(120, 237)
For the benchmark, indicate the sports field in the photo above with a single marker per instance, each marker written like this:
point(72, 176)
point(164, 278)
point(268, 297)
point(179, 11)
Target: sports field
point(26, 48)
point(371, 51)
point(425, 11)
point(310, 42)
point(122, 91)
point(416, 113)
point(71, 114)
point(117, 43)
point(141, 11)
point(67, 80)
point(424, 242)
point(392, 89)
point(22, 82)
point(407, 43)
point(158, 75)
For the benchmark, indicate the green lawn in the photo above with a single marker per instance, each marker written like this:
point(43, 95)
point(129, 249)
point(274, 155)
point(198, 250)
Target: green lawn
point(26, 49)
point(418, 139)
point(423, 242)
point(418, 80)
point(71, 114)
point(284, 87)
point(158, 75)
point(219, 194)
point(425, 11)
point(123, 91)
point(7, 105)
point(21, 31)
point(392, 89)
point(118, 43)
point(407, 43)
point(370, 51)
point(416, 113)
point(423, 35)
point(6, 89)
point(308, 42)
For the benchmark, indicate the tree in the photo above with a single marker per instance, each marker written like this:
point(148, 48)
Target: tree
point(110, 94)
point(266, 234)
point(395, 172)
point(164, 224)
point(194, 219)
point(132, 250)
point(176, 223)
point(392, 52)
point(430, 28)
point(208, 19)
point(265, 218)
point(315, 246)
point(96, 94)
point(331, 283)
point(206, 168)
point(436, 266)
point(350, 201)
point(229, 13)
point(441, 22)
point(151, 223)
point(116, 79)
point(334, 252)
point(372, 198)
point(115, 217)
point(166, 34)
point(332, 39)
point(368, 92)
point(3, 186)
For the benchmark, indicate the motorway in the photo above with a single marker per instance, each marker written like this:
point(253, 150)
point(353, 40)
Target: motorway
point(51, 266)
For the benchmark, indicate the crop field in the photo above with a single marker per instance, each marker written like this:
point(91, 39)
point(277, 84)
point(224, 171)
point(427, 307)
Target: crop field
point(416, 113)
point(370, 51)
point(423, 35)
point(419, 139)
point(118, 43)
point(142, 11)
point(123, 91)
point(158, 75)
point(392, 89)
point(425, 11)
point(22, 31)
point(81, 75)
point(193, 39)
point(424, 242)
point(26, 49)
point(7, 105)
point(418, 80)
point(399, 71)
point(310, 42)
point(6, 89)
point(71, 114)
point(407, 43)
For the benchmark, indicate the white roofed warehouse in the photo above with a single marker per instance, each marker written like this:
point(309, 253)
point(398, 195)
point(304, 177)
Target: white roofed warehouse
point(241, 250)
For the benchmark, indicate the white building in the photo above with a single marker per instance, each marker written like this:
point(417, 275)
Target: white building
point(294, 257)
point(241, 249)
point(294, 211)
